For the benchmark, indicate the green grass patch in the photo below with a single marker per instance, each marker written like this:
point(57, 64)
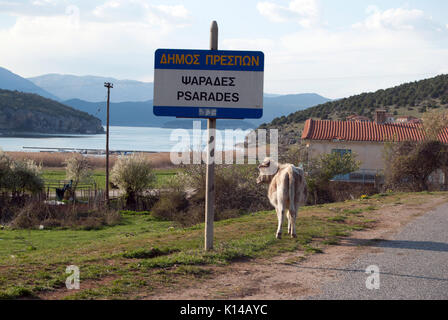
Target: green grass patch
point(142, 254)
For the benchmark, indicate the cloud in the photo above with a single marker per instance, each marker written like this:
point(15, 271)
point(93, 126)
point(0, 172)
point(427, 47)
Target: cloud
point(387, 48)
point(304, 12)
point(400, 19)
point(142, 12)
point(100, 40)
point(33, 7)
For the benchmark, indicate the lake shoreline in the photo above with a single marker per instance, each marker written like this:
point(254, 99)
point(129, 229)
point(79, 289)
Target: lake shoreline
point(147, 139)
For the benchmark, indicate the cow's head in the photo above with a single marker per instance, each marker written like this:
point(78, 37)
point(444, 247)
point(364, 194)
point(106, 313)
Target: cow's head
point(268, 169)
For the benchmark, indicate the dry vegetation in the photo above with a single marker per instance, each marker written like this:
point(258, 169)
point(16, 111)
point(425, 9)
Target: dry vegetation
point(57, 159)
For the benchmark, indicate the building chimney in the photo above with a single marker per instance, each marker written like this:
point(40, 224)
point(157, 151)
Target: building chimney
point(380, 116)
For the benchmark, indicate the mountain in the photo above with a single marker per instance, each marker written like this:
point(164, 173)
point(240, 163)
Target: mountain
point(284, 105)
point(91, 88)
point(12, 81)
point(30, 113)
point(412, 99)
point(141, 113)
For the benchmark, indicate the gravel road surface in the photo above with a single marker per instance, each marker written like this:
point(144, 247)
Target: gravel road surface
point(412, 265)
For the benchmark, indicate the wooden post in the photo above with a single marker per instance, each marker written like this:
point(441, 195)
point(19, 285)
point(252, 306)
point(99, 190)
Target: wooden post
point(108, 86)
point(210, 174)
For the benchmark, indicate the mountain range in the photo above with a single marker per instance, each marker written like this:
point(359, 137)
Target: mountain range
point(132, 100)
point(28, 113)
point(139, 114)
point(12, 81)
point(91, 88)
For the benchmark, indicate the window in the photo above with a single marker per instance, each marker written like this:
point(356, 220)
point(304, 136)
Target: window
point(341, 151)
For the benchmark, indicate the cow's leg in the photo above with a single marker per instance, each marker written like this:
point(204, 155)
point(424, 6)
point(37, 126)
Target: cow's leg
point(289, 222)
point(293, 214)
point(280, 215)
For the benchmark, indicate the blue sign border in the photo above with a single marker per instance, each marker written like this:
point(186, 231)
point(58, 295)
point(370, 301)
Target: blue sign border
point(203, 62)
point(205, 113)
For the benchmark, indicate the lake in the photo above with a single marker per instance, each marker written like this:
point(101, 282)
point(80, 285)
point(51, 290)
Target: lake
point(128, 139)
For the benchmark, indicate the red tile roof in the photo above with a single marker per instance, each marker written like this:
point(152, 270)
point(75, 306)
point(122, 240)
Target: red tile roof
point(365, 131)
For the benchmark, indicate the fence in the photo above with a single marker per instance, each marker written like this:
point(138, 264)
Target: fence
point(85, 191)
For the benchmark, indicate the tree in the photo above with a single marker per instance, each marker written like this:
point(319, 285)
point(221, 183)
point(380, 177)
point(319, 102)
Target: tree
point(411, 163)
point(324, 168)
point(25, 177)
point(132, 174)
point(5, 170)
point(434, 122)
point(77, 169)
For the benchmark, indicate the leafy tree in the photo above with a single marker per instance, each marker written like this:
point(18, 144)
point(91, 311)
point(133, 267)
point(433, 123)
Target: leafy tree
point(5, 170)
point(411, 163)
point(77, 169)
point(133, 174)
point(434, 122)
point(324, 168)
point(25, 177)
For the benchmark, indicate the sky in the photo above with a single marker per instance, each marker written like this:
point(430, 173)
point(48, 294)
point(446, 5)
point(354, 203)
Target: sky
point(336, 48)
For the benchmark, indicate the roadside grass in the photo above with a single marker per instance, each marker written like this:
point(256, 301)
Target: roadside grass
point(142, 254)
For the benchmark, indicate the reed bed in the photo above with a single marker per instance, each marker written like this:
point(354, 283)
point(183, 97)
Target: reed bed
point(57, 159)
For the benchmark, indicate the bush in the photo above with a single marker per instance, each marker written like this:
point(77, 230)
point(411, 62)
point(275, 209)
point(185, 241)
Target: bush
point(17, 179)
point(410, 164)
point(77, 169)
point(77, 216)
point(133, 174)
point(323, 169)
point(236, 193)
point(171, 203)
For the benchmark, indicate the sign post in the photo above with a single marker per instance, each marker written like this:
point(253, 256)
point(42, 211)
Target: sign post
point(210, 174)
point(209, 84)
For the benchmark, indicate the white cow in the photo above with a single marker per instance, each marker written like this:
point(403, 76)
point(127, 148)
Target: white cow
point(287, 190)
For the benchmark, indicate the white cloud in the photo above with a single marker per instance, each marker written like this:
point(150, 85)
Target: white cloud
point(387, 48)
point(305, 12)
point(400, 19)
point(143, 12)
point(40, 44)
point(248, 44)
point(44, 2)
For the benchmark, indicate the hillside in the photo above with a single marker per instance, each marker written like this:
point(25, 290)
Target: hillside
point(12, 81)
point(31, 113)
point(413, 98)
point(91, 88)
point(140, 114)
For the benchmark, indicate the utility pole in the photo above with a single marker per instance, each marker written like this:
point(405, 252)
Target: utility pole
point(210, 173)
point(109, 86)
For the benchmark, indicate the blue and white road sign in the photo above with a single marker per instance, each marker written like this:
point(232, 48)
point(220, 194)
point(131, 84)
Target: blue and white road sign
point(208, 84)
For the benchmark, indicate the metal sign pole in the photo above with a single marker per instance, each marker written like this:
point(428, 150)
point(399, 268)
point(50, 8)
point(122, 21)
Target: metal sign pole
point(210, 175)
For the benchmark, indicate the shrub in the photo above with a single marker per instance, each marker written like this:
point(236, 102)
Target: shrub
point(77, 216)
point(77, 169)
point(132, 174)
point(170, 205)
point(411, 163)
point(324, 168)
point(236, 192)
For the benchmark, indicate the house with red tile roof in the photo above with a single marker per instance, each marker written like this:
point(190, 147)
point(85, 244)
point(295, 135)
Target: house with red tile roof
point(365, 139)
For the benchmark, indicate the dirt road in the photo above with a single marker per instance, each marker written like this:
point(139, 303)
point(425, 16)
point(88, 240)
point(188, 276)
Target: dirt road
point(295, 276)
